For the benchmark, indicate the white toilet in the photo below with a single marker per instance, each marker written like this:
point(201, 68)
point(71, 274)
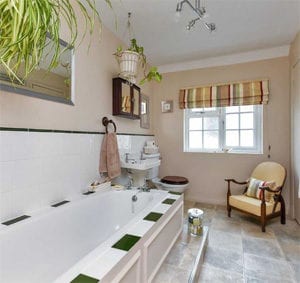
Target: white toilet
point(176, 184)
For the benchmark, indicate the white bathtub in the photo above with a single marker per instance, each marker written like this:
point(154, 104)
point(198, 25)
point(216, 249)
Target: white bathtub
point(65, 241)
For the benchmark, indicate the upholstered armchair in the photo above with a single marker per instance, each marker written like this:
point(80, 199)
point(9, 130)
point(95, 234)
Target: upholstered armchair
point(262, 196)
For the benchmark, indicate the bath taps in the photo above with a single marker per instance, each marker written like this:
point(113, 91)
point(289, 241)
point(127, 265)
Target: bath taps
point(144, 188)
point(130, 183)
point(127, 158)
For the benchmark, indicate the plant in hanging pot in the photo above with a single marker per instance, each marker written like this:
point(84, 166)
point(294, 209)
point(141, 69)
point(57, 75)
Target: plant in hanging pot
point(130, 58)
point(26, 24)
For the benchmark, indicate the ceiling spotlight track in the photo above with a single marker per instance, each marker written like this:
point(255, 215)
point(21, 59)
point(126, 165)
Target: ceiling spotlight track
point(200, 11)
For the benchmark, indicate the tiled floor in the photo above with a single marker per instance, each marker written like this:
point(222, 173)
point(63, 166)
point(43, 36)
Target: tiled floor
point(237, 250)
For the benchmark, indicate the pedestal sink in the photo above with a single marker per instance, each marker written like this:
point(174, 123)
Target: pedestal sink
point(139, 169)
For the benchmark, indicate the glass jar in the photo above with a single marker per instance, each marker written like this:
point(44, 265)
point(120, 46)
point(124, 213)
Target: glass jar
point(195, 221)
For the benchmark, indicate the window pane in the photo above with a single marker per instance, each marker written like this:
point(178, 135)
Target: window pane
point(232, 109)
point(195, 139)
point(211, 139)
point(195, 124)
point(211, 123)
point(247, 138)
point(232, 121)
point(196, 110)
point(203, 110)
point(247, 121)
point(209, 109)
point(232, 138)
point(247, 108)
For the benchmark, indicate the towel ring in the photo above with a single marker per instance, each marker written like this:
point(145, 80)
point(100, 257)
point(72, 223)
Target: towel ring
point(106, 121)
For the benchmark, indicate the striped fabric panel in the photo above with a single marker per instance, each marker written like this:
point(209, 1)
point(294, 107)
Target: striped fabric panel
point(244, 93)
point(255, 192)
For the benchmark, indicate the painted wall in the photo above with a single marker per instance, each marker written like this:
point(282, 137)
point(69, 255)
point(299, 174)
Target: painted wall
point(37, 168)
point(206, 171)
point(295, 125)
point(94, 70)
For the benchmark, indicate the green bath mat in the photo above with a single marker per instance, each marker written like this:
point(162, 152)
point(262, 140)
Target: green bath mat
point(126, 242)
point(169, 201)
point(175, 193)
point(81, 278)
point(153, 216)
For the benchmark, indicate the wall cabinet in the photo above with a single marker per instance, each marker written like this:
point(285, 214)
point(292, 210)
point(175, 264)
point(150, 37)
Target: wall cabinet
point(126, 99)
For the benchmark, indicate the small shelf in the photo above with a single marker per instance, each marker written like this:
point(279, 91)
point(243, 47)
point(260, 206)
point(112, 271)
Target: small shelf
point(126, 99)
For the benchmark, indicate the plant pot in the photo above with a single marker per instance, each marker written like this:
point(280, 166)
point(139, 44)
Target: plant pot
point(128, 61)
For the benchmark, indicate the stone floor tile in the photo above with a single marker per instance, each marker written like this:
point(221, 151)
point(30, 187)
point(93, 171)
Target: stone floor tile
point(267, 280)
point(211, 274)
point(291, 251)
point(272, 256)
point(176, 254)
point(296, 269)
point(171, 274)
point(226, 225)
point(265, 268)
point(225, 240)
point(225, 259)
point(262, 247)
point(205, 206)
point(254, 230)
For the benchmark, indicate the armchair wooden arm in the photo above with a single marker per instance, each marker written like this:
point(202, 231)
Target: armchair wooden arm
point(236, 182)
point(265, 188)
point(229, 191)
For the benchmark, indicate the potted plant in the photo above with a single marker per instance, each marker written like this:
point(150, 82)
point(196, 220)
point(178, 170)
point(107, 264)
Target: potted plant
point(130, 58)
point(25, 26)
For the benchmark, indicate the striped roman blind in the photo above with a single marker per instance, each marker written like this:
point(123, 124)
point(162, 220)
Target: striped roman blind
point(231, 94)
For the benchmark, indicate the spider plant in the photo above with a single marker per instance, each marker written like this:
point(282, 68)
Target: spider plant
point(25, 25)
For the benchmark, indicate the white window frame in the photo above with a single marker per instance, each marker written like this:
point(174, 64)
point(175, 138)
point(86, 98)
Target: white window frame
point(221, 113)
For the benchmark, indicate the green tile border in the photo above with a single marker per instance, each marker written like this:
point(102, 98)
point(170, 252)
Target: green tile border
point(175, 193)
point(9, 129)
point(81, 278)
point(15, 220)
point(88, 193)
point(169, 201)
point(153, 216)
point(126, 242)
point(60, 203)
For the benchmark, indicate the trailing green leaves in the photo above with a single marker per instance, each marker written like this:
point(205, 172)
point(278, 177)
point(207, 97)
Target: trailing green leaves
point(25, 25)
point(153, 73)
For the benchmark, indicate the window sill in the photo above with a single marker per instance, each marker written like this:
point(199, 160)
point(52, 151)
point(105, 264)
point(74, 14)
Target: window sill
point(225, 152)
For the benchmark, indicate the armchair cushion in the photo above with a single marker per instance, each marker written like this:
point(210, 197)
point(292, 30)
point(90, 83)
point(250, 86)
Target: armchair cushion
point(251, 205)
point(254, 190)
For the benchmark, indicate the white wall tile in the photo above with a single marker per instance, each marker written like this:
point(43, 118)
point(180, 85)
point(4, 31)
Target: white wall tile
point(38, 169)
point(6, 175)
point(20, 145)
point(5, 146)
point(26, 173)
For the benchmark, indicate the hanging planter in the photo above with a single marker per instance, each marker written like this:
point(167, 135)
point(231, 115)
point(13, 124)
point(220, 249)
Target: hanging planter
point(128, 61)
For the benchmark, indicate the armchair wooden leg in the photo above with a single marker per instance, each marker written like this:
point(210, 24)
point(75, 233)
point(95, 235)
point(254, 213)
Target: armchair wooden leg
point(263, 216)
point(282, 211)
point(228, 210)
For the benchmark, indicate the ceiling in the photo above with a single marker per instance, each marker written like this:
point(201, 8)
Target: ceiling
point(242, 26)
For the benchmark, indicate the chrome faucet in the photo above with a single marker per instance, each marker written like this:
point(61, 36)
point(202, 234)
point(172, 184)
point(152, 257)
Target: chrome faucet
point(130, 183)
point(127, 157)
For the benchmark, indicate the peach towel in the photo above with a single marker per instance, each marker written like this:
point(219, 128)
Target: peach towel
point(109, 156)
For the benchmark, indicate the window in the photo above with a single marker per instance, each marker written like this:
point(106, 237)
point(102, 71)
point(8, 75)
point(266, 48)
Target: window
point(221, 129)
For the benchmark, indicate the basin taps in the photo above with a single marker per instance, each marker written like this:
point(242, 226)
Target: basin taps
point(127, 157)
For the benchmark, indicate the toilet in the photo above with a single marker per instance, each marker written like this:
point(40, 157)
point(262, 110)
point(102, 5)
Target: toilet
point(176, 184)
